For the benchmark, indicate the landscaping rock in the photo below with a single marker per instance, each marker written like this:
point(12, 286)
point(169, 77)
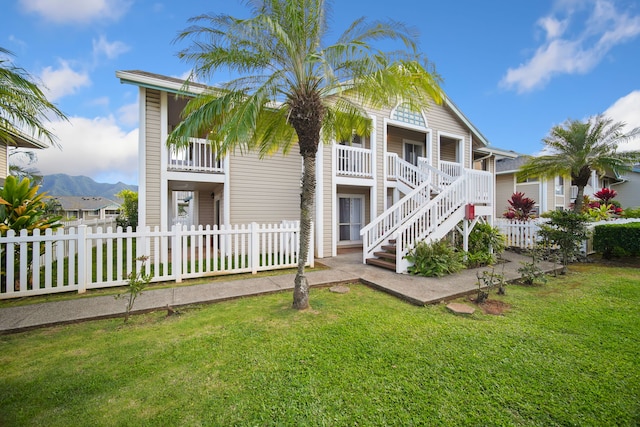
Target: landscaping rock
point(339, 289)
point(459, 308)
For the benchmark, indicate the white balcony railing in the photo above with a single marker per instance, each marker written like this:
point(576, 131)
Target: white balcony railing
point(353, 161)
point(197, 157)
point(450, 168)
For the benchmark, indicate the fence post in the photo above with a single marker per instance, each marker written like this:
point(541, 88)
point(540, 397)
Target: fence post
point(82, 258)
point(254, 250)
point(176, 252)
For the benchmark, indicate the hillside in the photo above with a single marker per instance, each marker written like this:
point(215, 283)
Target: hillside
point(66, 185)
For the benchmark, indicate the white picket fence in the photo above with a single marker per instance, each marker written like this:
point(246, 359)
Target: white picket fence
point(77, 259)
point(524, 234)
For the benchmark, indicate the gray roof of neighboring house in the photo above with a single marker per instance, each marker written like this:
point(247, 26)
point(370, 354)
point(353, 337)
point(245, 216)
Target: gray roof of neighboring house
point(85, 203)
point(511, 165)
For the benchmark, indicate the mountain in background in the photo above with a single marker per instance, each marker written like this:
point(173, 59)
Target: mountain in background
point(65, 185)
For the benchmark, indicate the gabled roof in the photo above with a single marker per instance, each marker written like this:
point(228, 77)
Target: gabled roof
point(507, 165)
point(176, 85)
point(85, 203)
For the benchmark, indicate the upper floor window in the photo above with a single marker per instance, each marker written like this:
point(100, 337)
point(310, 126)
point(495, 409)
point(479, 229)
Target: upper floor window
point(404, 114)
point(559, 184)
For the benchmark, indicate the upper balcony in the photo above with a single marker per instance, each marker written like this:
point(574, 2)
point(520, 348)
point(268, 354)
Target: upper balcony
point(197, 157)
point(353, 162)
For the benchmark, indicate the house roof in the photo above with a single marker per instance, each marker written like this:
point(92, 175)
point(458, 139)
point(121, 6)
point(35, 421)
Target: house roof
point(510, 165)
point(85, 203)
point(23, 140)
point(176, 85)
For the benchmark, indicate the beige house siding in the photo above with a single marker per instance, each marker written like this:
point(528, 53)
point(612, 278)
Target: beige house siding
point(265, 190)
point(530, 190)
point(442, 119)
point(504, 189)
point(205, 209)
point(153, 145)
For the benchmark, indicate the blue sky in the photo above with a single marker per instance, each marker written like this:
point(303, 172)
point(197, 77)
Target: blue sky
point(514, 68)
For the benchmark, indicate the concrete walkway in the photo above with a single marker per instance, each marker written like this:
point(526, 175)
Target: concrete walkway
point(342, 269)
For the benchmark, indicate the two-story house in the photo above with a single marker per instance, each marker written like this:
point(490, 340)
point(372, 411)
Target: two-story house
point(418, 175)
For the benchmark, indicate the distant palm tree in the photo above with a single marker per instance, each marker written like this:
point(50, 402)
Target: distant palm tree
point(577, 148)
point(292, 88)
point(23, 106)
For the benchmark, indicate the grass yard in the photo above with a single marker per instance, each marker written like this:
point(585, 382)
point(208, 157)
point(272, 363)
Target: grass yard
point(566, 353)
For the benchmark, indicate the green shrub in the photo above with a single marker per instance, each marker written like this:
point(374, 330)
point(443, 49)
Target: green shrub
point(631, 212)
point(617, 239)
point(567, 230)
point(434, 259)
point(485, 244)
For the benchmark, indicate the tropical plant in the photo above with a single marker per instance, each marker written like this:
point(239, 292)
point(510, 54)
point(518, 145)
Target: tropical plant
point(128, 216)
point(530, 272)
point(22, 208)
point(23, 105)
point(568, 231)
point(605, 195)
point(520, 207)
point(485, 244)
point(577, 148)
point(434, 259)
point(294, 88)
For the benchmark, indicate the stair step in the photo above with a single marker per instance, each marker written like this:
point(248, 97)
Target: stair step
point(380, 263)
point(386, 255)
point(389, 248)
point(392, 242)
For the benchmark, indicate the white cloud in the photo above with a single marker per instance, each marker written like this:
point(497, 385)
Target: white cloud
point(573, 53)
point(129, 114)
point(110, 50)
point(97, 148)
point(76, 11)
point(627, 110)
point(63, 81)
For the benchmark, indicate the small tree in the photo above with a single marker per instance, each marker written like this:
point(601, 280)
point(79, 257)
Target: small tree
point(520, 207)
point(128, 216)
point(567, 230)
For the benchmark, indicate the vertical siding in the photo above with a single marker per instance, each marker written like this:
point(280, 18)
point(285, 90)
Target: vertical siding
point(265, 190)
point(153, 145)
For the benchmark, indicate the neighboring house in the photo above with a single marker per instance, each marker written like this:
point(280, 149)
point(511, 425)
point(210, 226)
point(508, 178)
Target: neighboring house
point(628, 188)
point(549, 194)
point(20, 140)
point(411, 178)
point(87, 207)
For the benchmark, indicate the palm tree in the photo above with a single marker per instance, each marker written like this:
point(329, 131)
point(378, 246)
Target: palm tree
point(23, 105)
point(576, 148)
point(293, 88)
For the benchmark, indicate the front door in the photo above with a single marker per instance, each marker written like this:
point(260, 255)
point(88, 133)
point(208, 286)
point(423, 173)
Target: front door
point(412, 151)
point(350, 218)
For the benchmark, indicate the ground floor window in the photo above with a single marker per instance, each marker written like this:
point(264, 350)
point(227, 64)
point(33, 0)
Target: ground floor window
point(350, 217)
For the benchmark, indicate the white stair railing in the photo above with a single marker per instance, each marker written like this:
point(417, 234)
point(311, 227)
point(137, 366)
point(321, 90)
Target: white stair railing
point(421, 178)
point(470, 187)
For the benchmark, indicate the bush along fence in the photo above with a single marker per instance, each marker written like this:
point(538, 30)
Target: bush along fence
point(77, 259)
point(524, 234)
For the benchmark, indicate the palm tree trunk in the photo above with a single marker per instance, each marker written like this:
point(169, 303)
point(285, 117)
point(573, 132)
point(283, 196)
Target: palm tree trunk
point(307, 196)
point(577, 206)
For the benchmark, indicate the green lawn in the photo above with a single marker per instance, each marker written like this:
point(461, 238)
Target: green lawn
point(566, 353)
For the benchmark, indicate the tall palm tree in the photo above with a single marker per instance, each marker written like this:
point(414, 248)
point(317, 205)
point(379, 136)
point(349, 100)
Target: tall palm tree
point(292, 87)
point(24, 108)
point(577, 148)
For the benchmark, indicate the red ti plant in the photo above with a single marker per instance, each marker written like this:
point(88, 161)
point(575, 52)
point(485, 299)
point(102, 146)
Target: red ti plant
point(520, 207)
point(605, 195)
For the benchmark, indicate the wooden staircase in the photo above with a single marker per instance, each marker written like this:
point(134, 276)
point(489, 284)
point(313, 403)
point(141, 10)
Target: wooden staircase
point(385, 258)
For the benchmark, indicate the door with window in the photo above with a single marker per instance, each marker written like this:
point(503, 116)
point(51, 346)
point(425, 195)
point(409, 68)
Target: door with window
point(412, 150)
point(350, 218)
